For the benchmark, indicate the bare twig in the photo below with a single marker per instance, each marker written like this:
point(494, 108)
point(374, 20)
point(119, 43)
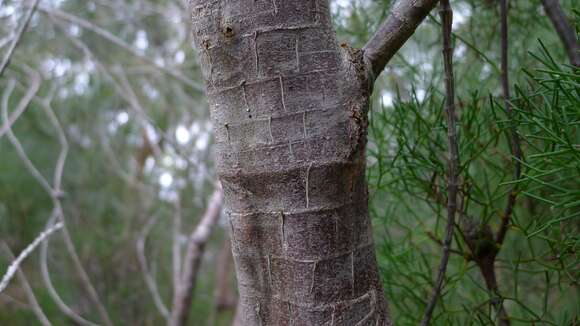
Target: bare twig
point(15, 265)
point(399, 26)
point(62, 306)
point(23, 104)
point(564, 29)
point(34, 305)
point(149, 279)
point(120, 43)
point(195, 248)
point(487, 265)
point(446, 14)
point(515, 145)
point(176, 248)
point(18, 36)
point(56, 194)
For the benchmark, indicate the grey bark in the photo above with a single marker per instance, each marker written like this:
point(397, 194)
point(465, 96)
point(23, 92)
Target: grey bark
point(289, 109)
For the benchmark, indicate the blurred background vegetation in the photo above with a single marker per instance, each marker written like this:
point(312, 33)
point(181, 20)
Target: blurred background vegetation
point(124, 85)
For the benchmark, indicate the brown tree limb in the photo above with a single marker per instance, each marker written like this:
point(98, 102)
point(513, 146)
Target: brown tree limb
point(405, 17)
point(17, 37)
point(564, 29)
point(453, 164)
point(195, 249)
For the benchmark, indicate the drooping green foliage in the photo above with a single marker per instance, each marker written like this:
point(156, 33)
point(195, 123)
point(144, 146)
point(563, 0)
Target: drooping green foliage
point(538, 266)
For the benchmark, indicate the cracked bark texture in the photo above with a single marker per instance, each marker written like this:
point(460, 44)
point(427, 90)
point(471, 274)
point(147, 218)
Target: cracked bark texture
point(289, 110)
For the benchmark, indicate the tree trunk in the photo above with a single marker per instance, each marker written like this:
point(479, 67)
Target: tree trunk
point(289, 110)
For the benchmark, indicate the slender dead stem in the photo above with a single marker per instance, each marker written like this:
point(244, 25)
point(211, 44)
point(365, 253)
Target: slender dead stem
point(56, 194)
point(195, 249)
point(15, 265)
point(62, 306)
point(515, 146)
point(87, 25)
point(17, 37)
point(23, 104)
point(149, 279)
point(446, 14)
point(34, 305)
point(564, 29)
point(176, 245)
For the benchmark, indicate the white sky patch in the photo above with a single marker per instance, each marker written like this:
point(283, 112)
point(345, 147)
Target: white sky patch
point(195, 128)
point(151, 133)
point(74, 30)
point(150, 91)
point(461, 13)
point(182, 135)
point(460, 50)
point(420, 94)
point(141, 41)
point(6, 10)
point(165, 179)
point(81, 84)
point(179, 57)
point(387, 98)
point(122, 118)
point(202, 141)
point(149, 164)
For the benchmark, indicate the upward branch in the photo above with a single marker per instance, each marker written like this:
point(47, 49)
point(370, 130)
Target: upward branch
point(453, 150)
point(564, 29)
point(515, 145)
point(402, 22)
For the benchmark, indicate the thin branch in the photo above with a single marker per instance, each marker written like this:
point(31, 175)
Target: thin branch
point(55, 194)
point(62, 306)
point(17, 37)
point(195, 249)
point(149, 279)
point(176, 248)
point(564, 29)
point(34, 305)
point(487, 265)
point(25, 253)
point(55, 13)
point(515, 146)
point(22, 104)
point(453, 164)
point(399, 26)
